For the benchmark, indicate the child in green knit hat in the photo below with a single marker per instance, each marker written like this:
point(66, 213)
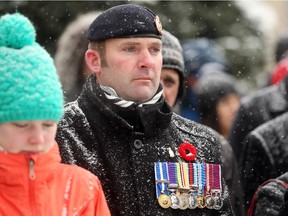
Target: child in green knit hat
point(32, 179)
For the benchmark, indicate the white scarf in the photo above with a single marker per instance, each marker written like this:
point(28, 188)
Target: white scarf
point(111, 94)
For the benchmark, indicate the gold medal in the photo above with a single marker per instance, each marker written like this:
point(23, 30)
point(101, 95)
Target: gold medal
point(164, 201)
point(201, 201)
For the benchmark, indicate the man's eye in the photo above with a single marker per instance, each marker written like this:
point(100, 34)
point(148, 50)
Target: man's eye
point(129, 49)
point(155, 50)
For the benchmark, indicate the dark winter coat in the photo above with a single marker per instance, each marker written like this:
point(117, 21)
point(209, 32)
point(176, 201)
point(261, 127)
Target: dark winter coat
point(232, 177)
point(256, 109)
point(270, 199)
point(121, 145)
point(265, 154)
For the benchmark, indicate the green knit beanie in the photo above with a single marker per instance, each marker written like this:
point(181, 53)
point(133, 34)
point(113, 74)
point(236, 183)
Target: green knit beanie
point(29, 85)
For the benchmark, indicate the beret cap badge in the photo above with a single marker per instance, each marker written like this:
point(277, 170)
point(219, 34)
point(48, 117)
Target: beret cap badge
point(158, 25)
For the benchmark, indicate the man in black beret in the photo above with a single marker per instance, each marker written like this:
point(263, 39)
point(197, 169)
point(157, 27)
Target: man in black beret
point(122, 129)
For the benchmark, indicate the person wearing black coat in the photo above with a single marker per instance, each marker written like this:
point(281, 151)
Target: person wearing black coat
point(271, 199)
point(256, 109)
point(265, 155)
point(122, 133)
point(218, 99)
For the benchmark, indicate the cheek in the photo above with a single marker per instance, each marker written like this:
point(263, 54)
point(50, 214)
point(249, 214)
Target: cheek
point(49, 140)
point(50, 135)
point(13, 144)
point(221, 112)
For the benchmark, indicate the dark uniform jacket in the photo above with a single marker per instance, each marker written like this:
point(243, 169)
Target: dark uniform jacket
point(120, 146)
point(256, 109)
point(272, 198)
point(265, 154)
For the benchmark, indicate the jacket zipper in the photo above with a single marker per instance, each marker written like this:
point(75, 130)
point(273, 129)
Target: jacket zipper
point(32, 186)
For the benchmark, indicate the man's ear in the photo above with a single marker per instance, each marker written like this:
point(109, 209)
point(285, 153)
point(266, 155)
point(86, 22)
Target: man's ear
point(93, 60)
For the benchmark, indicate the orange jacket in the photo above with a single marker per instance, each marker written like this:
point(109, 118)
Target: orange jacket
point(40, 185)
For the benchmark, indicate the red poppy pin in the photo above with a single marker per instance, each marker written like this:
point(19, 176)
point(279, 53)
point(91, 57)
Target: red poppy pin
point(187, 151)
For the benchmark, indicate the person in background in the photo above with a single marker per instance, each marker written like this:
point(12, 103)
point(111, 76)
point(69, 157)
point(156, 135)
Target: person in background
point(121, 128)
point(256, 109)
point(217, 100)
point(172, 74)
point(264, 104)
point(32, 179)
point(197, 53)
point(70, 55)
point(271, 198)
point(265, 155)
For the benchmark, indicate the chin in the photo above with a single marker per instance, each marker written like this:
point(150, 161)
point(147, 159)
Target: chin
point(142, 95)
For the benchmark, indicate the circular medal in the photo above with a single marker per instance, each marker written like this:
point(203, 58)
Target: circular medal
point(218, 202)
point(175, 202)
point(192, 201)
point(184, 201)
point(201, 202)
point(210, 202)
point(164, 201)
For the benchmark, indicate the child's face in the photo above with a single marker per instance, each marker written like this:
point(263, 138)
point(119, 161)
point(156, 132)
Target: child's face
point(34, 137)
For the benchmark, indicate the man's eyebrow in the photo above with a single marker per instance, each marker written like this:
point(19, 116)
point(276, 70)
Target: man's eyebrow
point(156, 43)
point(130, 43)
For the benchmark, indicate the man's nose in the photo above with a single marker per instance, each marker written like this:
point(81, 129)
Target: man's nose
point(145, 59)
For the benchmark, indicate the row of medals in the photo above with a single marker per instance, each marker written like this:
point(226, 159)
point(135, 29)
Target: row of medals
point(183, 199)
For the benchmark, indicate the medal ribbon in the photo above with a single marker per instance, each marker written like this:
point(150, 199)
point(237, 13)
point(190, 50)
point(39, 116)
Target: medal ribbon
point(195, 175)
point(172, 175)
point(161, 176)
point(217, 184)
point(201, 175)
point(179, 175)
point(209, 176)
point(191, 182)
point(184, 175)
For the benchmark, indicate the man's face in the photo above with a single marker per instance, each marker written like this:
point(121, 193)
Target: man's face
point(133, 67)
point(170, 81)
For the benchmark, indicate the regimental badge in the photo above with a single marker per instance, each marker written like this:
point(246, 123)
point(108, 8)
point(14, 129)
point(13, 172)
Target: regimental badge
point(158, 25)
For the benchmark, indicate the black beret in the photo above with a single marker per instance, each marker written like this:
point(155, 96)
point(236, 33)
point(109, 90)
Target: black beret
point(127, 20)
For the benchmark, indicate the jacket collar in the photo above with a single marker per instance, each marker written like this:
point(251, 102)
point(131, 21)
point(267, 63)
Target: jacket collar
point(144, 119)
point(14, 168)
